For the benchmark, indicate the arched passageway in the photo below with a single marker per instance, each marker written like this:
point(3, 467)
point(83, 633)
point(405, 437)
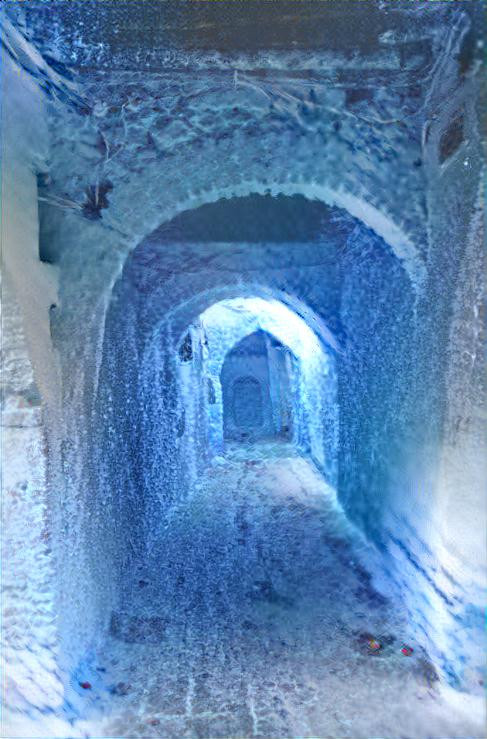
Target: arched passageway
point(238, 550)
point(253, 314)
point(250, 563)
point(251, 368)
point(211, 538)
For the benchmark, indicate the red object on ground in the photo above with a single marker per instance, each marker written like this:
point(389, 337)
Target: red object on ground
point(86, 686)
point(374, 645)
point(407, 651)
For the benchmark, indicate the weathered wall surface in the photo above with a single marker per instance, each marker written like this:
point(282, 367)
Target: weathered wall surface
point(33, 684)
point(433, 530)
point(33, 681)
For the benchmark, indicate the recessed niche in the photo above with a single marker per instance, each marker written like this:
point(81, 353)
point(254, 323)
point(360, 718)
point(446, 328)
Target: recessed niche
point(451, 137)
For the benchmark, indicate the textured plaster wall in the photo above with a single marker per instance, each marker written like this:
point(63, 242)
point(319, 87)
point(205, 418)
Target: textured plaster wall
point(432, 533)
point(32, 680)
point(159, 137)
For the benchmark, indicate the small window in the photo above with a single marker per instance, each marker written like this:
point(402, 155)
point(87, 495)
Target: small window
point(186, 349)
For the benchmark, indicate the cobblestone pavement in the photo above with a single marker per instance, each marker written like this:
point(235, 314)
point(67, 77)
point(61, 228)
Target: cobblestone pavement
point(253, 618)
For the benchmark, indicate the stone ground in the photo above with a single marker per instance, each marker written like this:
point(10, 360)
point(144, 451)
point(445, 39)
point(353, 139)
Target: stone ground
point(252, 619)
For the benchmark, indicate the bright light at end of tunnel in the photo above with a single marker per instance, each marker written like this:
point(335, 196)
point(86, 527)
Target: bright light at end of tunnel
point(242, 315)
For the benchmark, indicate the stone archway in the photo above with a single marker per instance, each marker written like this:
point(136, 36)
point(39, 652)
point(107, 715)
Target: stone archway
point(214, 334)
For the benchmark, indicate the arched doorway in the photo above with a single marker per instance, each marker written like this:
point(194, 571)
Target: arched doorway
point(256, 387)
point(252, 368)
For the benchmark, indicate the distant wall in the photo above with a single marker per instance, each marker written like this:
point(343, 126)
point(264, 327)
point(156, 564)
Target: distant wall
point(251, 413)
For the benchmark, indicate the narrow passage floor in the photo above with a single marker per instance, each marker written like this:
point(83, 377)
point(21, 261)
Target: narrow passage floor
point(253, 618)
